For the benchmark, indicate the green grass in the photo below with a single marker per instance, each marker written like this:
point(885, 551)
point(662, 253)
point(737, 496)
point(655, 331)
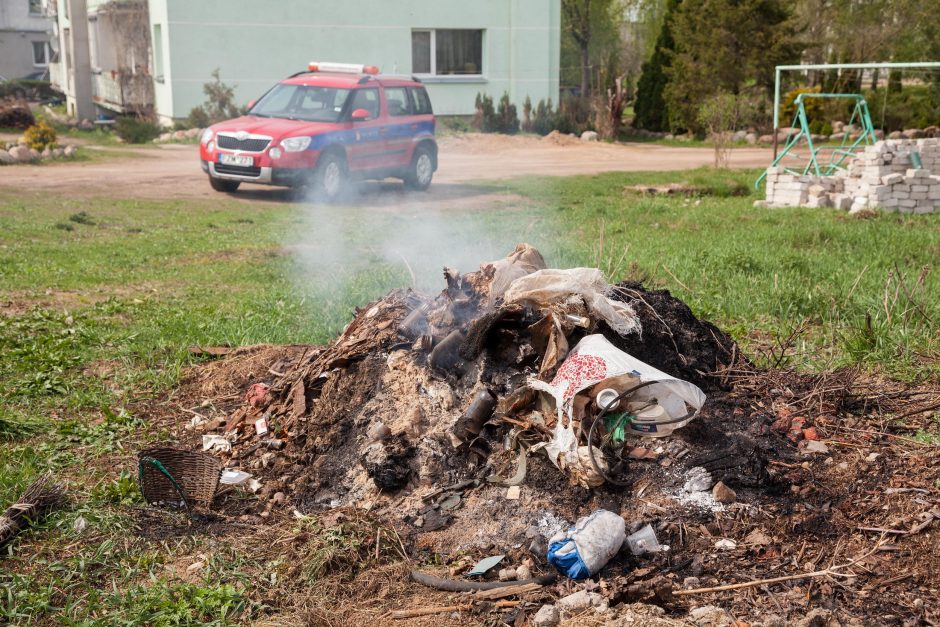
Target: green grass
point(103, 298)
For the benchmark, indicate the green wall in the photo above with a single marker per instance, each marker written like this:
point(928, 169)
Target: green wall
point(254, 44)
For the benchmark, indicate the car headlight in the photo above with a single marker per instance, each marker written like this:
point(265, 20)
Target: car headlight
point(275, 153)
point(295, 144)
point(206, 136)
point(210, 146)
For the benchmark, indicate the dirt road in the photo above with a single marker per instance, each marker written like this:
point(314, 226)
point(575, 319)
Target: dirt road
point(172, 171)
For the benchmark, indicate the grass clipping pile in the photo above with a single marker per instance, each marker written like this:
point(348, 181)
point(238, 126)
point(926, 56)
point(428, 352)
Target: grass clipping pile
point(432, 415)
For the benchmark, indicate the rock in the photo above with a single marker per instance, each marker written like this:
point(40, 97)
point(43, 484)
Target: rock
point(765, 139)
point(726, 545)
point(547, 616)
point(814, 447)
point(513, 492)
point(34, 155)
point(378, 431)
point(20, 153)
point(46, 153)
point(699, 480)
point(278, 498)
point(507, 574)
point(739, 136)
point(691, 582)
point(894, 135)
point(193, 132)
point(710, 616)
point(523, 572)
point(197, 565)
point(669, 136)
point(589, 136)
point(6, 158)
point(70, 151)
point(58, 153)
point(579, 601)
point(179, 135)
point(697, 567)
point(751, 138)
point(724, 494)
point(912, 133)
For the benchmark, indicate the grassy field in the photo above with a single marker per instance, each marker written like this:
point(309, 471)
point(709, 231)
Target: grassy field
point(101, 298)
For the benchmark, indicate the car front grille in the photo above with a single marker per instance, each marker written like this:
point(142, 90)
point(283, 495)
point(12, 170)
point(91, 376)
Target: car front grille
point(252, 144)
point(238, 170)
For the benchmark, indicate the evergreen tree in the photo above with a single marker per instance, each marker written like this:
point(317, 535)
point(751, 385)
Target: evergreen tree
point(650, 107)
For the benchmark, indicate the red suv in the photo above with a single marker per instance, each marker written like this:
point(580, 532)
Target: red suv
point(323, 126)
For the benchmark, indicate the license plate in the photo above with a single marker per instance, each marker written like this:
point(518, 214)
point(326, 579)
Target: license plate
point(242, 160)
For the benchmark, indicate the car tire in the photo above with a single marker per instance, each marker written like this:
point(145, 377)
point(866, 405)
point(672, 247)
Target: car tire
point(421, 170)
point(330, 176)
point(223, 185)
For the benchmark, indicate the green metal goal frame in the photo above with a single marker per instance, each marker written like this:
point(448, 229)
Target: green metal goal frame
point(837, 154)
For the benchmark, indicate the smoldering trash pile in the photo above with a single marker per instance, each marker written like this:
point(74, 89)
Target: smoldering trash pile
point(571, 426)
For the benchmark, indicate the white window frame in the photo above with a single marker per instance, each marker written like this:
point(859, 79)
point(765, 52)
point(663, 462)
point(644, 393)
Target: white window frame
point(434, 77)
point(47, 50)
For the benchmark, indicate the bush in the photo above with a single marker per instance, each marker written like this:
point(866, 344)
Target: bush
point(198, 118)
point(135, 130)
point(813, 106)
point(527, 115)
point(40, 136)
point(574, 115)
point(219, 105)
point(29, 89)
point(912, 107)
point(543, 122)
point(507, 120)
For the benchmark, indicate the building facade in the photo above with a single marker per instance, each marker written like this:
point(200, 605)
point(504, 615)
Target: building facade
point(457, 48)
point(25, 38)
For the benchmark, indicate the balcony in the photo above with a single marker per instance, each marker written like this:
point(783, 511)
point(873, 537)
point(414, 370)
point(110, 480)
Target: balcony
point(123, 93)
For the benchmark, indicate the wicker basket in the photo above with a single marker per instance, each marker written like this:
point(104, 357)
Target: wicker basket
point(195, 477)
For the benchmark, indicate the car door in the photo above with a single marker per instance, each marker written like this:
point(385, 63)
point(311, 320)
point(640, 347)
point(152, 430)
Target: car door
point(365, 148)
point(400, 126)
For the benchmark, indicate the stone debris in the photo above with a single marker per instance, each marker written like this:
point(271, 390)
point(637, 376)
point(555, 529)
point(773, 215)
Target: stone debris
point(883, 176)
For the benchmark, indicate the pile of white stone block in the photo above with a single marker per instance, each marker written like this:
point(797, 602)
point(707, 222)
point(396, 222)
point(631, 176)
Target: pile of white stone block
point(882, 176)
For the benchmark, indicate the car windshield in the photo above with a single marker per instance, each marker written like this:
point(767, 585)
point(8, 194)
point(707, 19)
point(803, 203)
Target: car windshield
point(302, 102)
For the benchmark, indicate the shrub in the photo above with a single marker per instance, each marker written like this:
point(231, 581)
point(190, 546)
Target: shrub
point(198, 118)
point(484, 114)
point(574, 115)
point(912, 107)
point(527, 115)
point(40, 136)
point(219, 105)
point(543, 122)
point(507, 120)
point(134, 130)
point(813, 106)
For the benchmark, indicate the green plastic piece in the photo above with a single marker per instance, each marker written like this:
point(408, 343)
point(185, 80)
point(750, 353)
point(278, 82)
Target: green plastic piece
point(915, 160)
point(616, 426)
point(838, 155)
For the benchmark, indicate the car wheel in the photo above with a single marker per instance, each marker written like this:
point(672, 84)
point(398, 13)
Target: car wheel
point(421, 171)
point(223, 185)
point(330, 176)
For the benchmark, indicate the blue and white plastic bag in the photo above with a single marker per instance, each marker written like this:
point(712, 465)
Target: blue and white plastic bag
point(588, 545)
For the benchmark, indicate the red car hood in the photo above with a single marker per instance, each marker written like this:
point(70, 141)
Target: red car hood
point(278, 128)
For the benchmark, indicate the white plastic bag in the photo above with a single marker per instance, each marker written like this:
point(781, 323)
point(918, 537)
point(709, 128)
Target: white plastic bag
point(595, 359)
point(588, 545)
point(551, 287)
point(525, 259)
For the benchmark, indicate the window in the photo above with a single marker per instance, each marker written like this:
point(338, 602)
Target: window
point(158, 52)
point(311, 103)
point(35, 7)
point(447, 52)
point(42, 52)
point(367, 99)
point(399, 103)
point(421, 102)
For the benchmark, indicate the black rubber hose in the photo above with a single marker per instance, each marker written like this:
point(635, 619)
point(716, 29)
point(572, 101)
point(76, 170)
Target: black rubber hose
point(453, 585)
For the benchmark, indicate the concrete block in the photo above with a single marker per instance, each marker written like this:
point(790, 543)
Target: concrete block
point(891, 179)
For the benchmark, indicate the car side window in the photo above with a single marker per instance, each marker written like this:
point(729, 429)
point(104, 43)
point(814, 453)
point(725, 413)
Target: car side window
point(420, 102)
point(399, 103)
point(367, 99)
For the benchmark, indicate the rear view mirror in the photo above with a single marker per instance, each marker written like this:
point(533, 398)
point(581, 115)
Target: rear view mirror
point(360, 115)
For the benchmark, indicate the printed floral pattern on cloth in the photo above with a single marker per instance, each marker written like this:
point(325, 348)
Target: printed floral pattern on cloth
point(576, 370)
